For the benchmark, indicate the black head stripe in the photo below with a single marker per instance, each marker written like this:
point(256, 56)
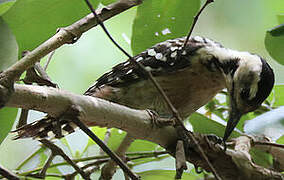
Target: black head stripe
point(265, 84)
point(228, 67)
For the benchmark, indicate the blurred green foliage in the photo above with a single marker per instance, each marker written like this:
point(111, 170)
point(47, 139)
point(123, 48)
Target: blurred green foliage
point(161, 20)
point(274, 43)
point(34, 21)
point(5, 6)
point(165, 174)
point(7, 116)
point(27, 23)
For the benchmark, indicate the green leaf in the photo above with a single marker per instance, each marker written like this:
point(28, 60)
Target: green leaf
point(141, 145)
point(164, 174)
point(280, 18)
point(280, 140)
point(159, 160)
point(7, 118)
point(8, 46)
point(261, 158)
point(159, 20)
point(274, 43)
point(107, 2)
point(277, 96)
point(5, 6)
point(277, 31)
point(100, 133)
point(204, 125)
point(270, 124)
point(34, 21)
point(138, 145)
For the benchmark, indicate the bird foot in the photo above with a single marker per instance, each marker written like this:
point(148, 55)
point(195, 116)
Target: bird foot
point(217, 140)
point(158, 121)
point(214, 138)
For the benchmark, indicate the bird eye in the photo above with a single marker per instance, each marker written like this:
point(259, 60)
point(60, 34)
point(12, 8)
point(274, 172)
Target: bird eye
point(245, 93)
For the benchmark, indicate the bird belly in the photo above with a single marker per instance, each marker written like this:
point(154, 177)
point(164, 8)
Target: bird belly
point(188, 90)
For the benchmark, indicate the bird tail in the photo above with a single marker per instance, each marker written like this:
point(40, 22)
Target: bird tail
point(48, 127)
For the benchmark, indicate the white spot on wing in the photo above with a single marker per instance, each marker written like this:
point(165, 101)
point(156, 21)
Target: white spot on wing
point(64, 133)
point(110, 79)
point(156, 34)
point(118, 79)
point(174, 48)
point(174, 54)
point(159, 56)
point(50, 134)
point(130, 71)
point(198, 38)
point(139, 59)
point(151, 52)
point(168, 44)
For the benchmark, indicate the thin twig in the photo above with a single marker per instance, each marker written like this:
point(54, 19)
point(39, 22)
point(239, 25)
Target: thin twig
point(64, 36)
point(96, 164)
point(180, 159)
point(121, 164)
point(268, 144)
point(42, 71)
point(136, 122)
point(7, 174)
point(107, 136)
point(129, 156)
point(31, 77)
point(106, 159)
point(178, 119)
point(30, 157)
point(48, 60)
point(57, 151)
point(109, 168)
point(195, 19)
point(42, 172)
point(23, 118)
point(148, 73)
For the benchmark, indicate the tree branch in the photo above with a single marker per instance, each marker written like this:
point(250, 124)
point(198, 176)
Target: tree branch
point(7, 174)
point(137, 123)
point(57, 151)
point(65, 35)
point(109, 168)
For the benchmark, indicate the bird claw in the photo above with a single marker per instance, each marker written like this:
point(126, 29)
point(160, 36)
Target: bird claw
point(158, 121)
point(214, 138)
point(217, 140)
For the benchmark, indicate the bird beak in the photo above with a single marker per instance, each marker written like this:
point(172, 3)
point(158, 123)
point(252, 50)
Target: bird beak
point(234, 117)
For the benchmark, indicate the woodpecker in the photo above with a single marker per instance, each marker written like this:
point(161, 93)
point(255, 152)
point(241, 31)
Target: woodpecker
point(190, 77)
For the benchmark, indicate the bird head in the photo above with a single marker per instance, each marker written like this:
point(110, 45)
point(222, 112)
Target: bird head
point(249, 83)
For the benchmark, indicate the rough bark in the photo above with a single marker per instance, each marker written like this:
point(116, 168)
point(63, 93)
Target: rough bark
point(232, 164)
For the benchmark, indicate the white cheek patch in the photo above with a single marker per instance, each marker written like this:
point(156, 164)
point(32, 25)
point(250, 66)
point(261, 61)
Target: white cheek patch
point(50, 134)
point(252, 65)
